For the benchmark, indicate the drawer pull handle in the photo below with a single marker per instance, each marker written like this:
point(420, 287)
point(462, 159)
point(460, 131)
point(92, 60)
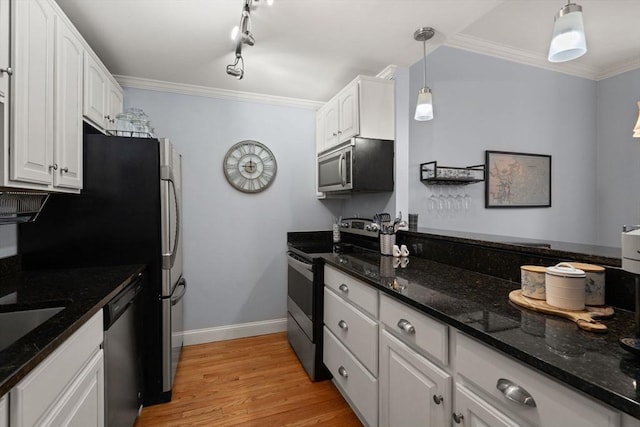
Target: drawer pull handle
point(344, 288)
point(343, 325)
point(438, 399)
point(457, 417)
point(406, 326)
point(343, 372)
point(7, 70)
point(515, 393)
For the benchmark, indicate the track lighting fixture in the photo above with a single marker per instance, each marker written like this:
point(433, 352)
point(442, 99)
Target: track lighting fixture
point(242, 35)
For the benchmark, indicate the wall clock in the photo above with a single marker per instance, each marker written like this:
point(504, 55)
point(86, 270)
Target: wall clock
point(250, 166)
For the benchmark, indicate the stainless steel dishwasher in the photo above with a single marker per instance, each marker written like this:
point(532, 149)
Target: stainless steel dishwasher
point(123, 356)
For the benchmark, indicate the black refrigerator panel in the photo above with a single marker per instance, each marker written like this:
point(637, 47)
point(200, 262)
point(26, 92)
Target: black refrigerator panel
point(114, 221)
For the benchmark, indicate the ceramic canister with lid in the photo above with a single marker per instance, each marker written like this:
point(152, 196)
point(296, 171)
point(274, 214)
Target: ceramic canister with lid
point(594, 285)
point(532, 281)
point(565, 286)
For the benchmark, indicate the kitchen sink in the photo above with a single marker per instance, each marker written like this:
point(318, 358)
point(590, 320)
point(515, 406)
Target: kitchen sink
point(17, 320)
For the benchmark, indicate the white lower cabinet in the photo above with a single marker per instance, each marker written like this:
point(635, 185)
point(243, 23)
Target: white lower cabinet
point(413, 391)
point(357, 385)
point(523, 393)
point(67, 388)
point(351, 341)
point(476, 412)
point(430, 374)
point(4, 411)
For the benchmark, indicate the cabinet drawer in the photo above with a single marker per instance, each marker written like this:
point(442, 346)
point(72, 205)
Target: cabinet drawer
point(357, 385)
point(428, 335)
point(556, 404)
point(32, 396)
point(354, 290)
point(353, 328)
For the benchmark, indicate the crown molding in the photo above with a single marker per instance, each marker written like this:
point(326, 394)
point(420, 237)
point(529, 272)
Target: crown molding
point(619, 68)
point(187, 89)
point(484, 47)
point(388, 73)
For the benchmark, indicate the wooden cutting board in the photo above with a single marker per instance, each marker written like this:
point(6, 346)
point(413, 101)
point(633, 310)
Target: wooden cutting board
point(585, 319)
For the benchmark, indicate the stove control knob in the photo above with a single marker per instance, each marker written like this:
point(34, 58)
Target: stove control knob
point(371, 227)
point(344, 225)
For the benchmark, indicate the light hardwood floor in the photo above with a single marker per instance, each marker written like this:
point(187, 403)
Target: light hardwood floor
point(253, 381)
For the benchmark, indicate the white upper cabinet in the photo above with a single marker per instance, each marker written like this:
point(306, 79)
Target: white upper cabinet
point(102, 97)
point(4, 49)
point(95, 92)
point(68, 96)
point(44, 97)
point(32, 93)
point(365, 108)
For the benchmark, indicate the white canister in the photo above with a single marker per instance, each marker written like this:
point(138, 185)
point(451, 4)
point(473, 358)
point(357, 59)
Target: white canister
point(532, 281)
point(565, 286)
point(594, 285)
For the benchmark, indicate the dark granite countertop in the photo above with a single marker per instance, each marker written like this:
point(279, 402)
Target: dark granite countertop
point(83, 292)
point(478, 305)
point(595, 254)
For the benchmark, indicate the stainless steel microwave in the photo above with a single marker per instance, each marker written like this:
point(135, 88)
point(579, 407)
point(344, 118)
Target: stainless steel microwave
point(360, 164)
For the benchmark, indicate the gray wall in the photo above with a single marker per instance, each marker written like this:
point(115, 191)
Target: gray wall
point(484, 103)
point(618, 167)
point(235, 243)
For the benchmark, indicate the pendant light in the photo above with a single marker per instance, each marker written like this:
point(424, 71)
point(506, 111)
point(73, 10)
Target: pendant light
point(424, 106)
point(636, 130)
point(568, 41)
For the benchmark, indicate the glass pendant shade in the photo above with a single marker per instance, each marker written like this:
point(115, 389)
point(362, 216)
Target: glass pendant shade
point(568, 40)
point(424, 106)
point(636, 130)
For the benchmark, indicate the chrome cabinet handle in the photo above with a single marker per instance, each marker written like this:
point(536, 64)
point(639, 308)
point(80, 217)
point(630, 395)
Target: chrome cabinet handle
point(339, 132)
point(457, 417)
point(343, 372)
point(7, 70)
point(64, 170)
point(406, 326)
point(343, 325)
point(335, 134)
point(438, 399)
point(344, 288)
point(515, 393)
point(53, 167)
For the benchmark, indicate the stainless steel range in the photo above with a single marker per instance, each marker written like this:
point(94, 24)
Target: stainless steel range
point(305, 282)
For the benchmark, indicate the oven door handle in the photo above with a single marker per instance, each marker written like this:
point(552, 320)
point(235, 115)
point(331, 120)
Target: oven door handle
point(301, 267)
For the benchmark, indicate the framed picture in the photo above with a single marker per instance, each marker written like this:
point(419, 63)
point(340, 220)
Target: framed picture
point(517, 180)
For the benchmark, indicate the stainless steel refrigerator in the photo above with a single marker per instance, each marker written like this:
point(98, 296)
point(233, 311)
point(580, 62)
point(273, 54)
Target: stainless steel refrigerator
point(129, 212)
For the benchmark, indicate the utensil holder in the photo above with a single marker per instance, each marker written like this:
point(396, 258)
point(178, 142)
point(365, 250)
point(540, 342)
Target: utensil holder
point(386, 243)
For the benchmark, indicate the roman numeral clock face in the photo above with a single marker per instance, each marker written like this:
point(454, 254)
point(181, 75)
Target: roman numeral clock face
point(250, 166)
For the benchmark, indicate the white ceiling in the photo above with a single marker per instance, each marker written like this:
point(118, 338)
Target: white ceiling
point(309, 49)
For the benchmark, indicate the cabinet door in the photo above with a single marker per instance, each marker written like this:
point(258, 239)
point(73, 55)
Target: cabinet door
point(473, 411)
point(4, 411)
point(349, 121)
point(413, 391)
point(4, 47)
point(115, 105)
point(331, 123)
point(82, 405)
point(95, 92)
point(68, 114)
point(31, 158)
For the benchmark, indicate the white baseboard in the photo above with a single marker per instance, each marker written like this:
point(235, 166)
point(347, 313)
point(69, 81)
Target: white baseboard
point(243, 330)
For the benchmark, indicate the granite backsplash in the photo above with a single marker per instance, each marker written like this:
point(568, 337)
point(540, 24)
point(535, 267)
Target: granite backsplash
point(504, 260)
